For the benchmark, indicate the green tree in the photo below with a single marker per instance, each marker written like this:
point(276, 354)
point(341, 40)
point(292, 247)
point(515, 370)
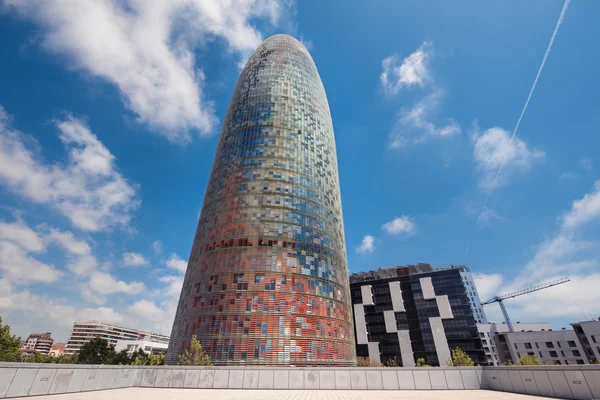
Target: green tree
point(10, 345)
point(139, 358)
point(529, 359)
point(158, 359)
point(421, 363)
point(195, 355)
point(460, 359)
point(66, 359)
point(96, 351)
point(366, 362)
point(597, 362)
point(38, 358)
point(121, 358)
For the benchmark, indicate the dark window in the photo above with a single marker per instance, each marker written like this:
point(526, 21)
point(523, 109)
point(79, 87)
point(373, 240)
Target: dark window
point(549, 345)
point(572, 343)
point(528, 345)
point(553, 354)
point(580, 362)
point(594, 339)
point(516, 348)
point(576, 353)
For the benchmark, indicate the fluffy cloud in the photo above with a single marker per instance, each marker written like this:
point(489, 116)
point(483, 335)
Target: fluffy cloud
point(493, 149)
point(104, 283)
point(565, 253)
point(402, 225)
point(414, 126)
point(134, 260)
point(154, 69)
point(88, 189)
point(177, 263)
point(157, 247)
point(367, 245)
point(412, 71)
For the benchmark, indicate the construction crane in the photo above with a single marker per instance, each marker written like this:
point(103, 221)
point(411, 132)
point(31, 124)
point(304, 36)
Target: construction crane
point(500, 299)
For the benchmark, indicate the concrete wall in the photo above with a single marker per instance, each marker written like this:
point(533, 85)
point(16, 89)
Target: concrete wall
point(574, 382)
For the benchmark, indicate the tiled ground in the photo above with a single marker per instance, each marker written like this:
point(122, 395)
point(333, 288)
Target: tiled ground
point(229, 394)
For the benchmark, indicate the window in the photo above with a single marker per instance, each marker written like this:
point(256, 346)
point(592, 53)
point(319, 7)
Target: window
point(553, 354)
point(528, 345)
point(516, 348)
point(594, 339)
point(572, 343)
point(580, 362)
point(549, 345)
point(576, 353)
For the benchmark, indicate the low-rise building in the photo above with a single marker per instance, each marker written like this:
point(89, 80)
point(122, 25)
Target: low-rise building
point(550, 347)
point(86, 331)
point(588, 333)
point(488, 331)
point(146, 345)
point(57, 350)
point(38, 343)
point(412, 312)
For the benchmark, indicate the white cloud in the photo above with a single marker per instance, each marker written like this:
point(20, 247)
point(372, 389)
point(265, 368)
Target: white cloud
point(177, 263)
point(88, 190)
point(583, 210)
point(18, 232)
point(174, 284)
point(157, 247)
point(134, 260)
point(104, 283)
point(488, 285)
point(414, 125)
point(586, 163)
point(367, 245)
point(492, 147)
point(402, 225)
point(147, 49)
point(412, 71)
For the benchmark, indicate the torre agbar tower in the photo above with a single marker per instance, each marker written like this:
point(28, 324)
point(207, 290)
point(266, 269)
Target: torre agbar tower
point(267, 279)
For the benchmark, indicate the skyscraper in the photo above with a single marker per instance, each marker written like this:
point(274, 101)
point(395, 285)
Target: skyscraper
point(267, 279)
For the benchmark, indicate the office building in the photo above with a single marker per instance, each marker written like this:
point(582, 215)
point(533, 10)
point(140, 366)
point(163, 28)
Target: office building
point(472, 294)
point(38, 343)
point(412, 312)
point(488, 331)
point(550, 347)
point(267, 279)
point(588, 334)
point(147, 346)
point(86, 331)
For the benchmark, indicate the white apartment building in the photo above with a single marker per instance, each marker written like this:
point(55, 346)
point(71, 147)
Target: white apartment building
point(147, 346)
point(38, 343)
point(588, 333)
point(474, 300)
point(550, 347)
point(488, 331)
point(85, 331)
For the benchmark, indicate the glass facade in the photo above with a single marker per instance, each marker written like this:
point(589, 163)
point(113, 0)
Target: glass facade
point(267, 279)
point(459, 329)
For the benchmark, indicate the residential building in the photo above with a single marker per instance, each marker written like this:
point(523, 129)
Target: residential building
point(86, 331)
point(472, 293)
point(267, 279)
point(38, 343)
point(488, 331)
point(146, 345)
point(57, 350)
point(551, 347)
point(588, 334)
point(411, 312)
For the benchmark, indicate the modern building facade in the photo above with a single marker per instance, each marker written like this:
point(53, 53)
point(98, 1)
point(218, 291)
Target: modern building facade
point(86, 331)
point(412, 312)
point(488, 331)
point(147, 346)
point(550, 347)
point(472, 293)
point(588, 334)
point(38, 343)
point(267, 279)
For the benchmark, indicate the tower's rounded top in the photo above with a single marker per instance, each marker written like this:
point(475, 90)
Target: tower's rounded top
point(283, 37)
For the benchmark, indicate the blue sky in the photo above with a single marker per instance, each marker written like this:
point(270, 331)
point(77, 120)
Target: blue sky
point(111, 113)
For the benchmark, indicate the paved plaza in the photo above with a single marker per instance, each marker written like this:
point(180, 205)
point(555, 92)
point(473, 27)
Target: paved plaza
point(228, 394)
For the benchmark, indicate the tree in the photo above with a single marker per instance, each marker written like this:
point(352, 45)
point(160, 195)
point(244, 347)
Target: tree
point(391, 362)
point(460, 359)
point(195, 355)
point(139, 358)
point(367, 362)
point(158, 359)
point(66, 359)
point(121, 358)
point(529, 359)
point(38, 358)
point(421, 363)
point(96, 351)
point(10, 345)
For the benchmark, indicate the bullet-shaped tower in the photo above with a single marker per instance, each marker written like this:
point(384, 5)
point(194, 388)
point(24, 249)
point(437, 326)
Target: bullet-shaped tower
point(267, 278)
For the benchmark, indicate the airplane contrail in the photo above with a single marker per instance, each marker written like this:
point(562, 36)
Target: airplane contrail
point(561, 18)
